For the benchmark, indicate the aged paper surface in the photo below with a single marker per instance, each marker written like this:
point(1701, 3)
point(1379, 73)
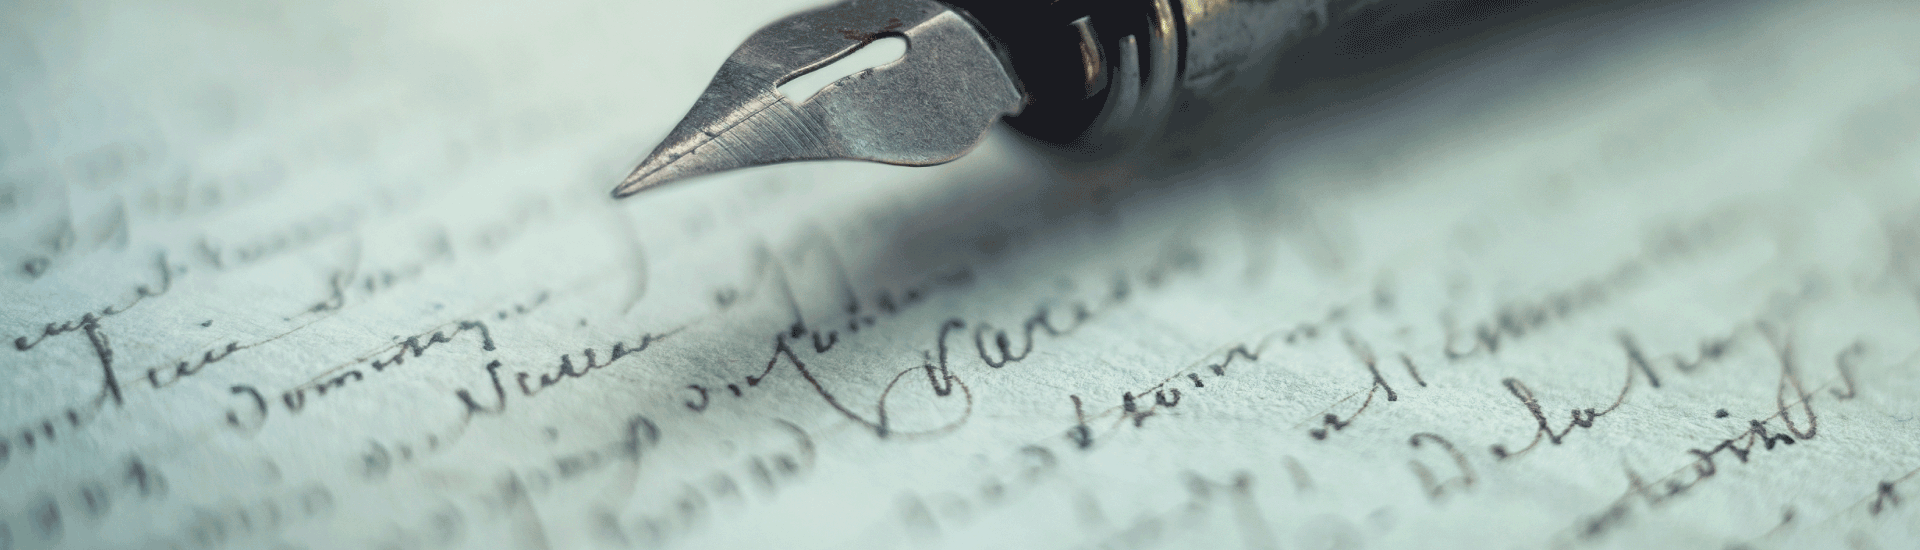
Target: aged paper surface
point(305, 275)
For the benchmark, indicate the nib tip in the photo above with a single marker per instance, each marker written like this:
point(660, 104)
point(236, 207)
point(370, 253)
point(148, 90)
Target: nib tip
point(643, 178)
point(626, 189)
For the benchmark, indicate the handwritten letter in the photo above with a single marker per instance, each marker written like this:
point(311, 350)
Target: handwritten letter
point(345, 275)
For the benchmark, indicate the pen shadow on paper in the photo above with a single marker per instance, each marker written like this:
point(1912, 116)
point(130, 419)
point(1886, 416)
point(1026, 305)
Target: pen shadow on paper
point(1333, 112)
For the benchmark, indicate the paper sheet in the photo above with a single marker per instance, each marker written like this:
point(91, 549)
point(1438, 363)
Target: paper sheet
point(345, 275)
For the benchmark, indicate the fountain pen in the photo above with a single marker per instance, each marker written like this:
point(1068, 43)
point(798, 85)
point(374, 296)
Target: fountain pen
point(1094, 76)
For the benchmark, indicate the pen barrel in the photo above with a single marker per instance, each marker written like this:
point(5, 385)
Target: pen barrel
point(1104, 77)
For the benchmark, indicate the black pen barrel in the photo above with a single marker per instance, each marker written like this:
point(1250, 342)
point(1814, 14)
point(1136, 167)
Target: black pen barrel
point(1104, 76)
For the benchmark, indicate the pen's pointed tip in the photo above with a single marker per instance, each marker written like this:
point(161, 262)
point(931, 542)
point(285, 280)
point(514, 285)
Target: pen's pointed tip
point(625, 190)
point(635, 183)
point(672, 161)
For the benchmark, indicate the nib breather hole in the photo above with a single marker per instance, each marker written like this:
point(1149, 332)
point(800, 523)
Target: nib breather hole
point(879, 52)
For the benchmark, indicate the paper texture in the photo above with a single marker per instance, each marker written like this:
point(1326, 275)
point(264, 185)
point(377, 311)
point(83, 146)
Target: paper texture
point(345, 275)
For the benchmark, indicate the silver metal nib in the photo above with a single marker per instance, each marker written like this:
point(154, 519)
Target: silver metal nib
point(929, 107)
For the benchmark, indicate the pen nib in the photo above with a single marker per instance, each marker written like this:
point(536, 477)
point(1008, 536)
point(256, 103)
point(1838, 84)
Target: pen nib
point(930, 106)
